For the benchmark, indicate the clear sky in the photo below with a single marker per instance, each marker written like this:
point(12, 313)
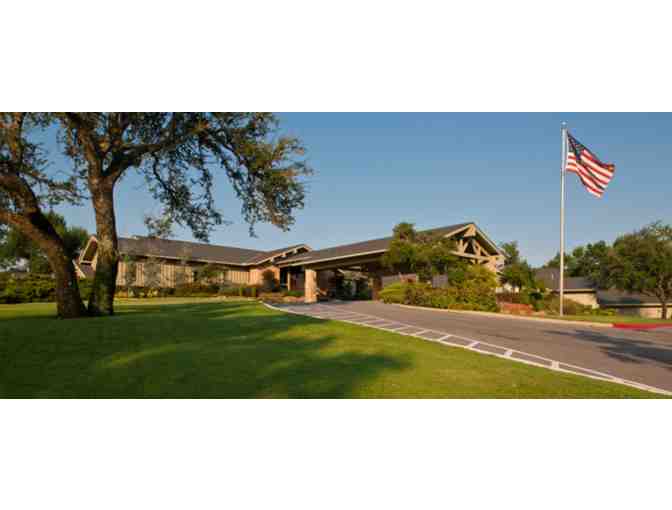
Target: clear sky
point(500, 170)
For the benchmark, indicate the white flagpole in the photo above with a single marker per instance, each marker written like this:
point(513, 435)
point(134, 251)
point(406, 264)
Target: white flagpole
point(563, 132)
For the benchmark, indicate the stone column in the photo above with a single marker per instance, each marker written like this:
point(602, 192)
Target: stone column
point(289, 279)
point(310, 292)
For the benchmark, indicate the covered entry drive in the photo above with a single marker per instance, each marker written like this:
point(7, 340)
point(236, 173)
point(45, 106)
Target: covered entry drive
point(317, 267)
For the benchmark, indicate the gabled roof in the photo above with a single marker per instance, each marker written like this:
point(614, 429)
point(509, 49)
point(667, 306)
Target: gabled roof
point(166, 248)
point(83, 270)
point(551, 278)
point(200, 252)
point(372, 246)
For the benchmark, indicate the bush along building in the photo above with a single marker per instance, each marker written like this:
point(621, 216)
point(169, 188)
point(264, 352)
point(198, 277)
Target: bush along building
point(295, 268)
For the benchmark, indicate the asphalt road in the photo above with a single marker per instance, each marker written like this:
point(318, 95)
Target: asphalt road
point(644, 357)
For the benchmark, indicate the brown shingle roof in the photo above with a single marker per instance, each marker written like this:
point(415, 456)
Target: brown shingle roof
point(193, 251)
point(372, 246)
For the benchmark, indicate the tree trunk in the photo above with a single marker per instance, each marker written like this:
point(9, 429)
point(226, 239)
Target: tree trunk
point(38, 228)
point(69, 302)
point(105, 279)
point(663, 309)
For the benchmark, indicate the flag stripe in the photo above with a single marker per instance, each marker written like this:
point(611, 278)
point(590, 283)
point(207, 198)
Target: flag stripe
point(587, 178)
point(580, 168)
point(596, 168)
point(589, 187)
point(607, 168)
point(593, 173)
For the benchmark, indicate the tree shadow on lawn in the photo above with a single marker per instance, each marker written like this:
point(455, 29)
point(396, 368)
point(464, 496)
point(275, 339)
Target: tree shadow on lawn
point(630, 350)
point(208, 352)
point(120, 310)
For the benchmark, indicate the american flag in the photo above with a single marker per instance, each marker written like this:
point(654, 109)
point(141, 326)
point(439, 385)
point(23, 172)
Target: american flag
point(594, 174)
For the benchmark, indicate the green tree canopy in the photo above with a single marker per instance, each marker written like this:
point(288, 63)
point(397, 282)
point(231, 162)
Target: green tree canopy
point(516, 271)
point(587, 261)
point(424, 253)
point(642, 262)
point(17, 246)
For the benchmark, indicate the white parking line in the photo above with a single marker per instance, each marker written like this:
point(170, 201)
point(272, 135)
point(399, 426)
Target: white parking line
point(395, 327)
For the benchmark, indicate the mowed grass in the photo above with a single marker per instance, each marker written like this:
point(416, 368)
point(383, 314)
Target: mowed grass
point(614, 319)
point(209, 348)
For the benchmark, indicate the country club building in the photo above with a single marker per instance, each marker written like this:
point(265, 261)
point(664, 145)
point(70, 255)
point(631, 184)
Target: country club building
point(297, 267)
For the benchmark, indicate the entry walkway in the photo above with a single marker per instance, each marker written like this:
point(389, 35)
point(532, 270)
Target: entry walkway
point(639, 359)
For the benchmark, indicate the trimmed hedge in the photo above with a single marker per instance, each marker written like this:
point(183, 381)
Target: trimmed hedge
point(205, 290)
point(393, 293)
point(33, 288)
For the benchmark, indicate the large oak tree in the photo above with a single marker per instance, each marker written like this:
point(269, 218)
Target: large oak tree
point(178, 154)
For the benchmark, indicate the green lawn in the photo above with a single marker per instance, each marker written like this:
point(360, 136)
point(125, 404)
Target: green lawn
point(627, 319)
point(208, 348)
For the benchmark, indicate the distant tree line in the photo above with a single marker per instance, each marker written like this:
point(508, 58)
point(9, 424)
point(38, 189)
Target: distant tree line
point(19, 251)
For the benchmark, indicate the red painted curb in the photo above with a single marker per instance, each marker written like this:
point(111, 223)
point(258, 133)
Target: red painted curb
point(640, 326)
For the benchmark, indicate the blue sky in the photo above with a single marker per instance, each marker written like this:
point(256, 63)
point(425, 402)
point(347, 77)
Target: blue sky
point(500, 170)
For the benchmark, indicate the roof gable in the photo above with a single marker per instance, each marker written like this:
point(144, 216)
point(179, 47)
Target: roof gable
point(269, 255)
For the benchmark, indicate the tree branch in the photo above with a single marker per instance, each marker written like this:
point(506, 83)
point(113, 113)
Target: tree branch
point(86, 135)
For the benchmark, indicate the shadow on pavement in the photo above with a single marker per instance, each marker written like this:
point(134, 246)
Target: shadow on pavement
point(630, 350)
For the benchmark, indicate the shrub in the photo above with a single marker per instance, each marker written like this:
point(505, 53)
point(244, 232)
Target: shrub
point(269, 282)
point(551, 304)
point(604, 312)
point(33, 288)
point(27, 289)
point(293, 293)
point(474, 290)
point(197, 290)
point(229, 290)
point(393, 293)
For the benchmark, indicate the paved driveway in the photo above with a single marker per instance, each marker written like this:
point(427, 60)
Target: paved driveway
point(644, 357)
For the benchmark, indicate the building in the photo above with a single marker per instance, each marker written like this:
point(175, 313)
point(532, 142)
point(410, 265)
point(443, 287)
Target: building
point(583, 291)
point(577, 289)
point(296, 267)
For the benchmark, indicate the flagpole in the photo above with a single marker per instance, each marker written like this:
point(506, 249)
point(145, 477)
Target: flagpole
point(563, 133)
